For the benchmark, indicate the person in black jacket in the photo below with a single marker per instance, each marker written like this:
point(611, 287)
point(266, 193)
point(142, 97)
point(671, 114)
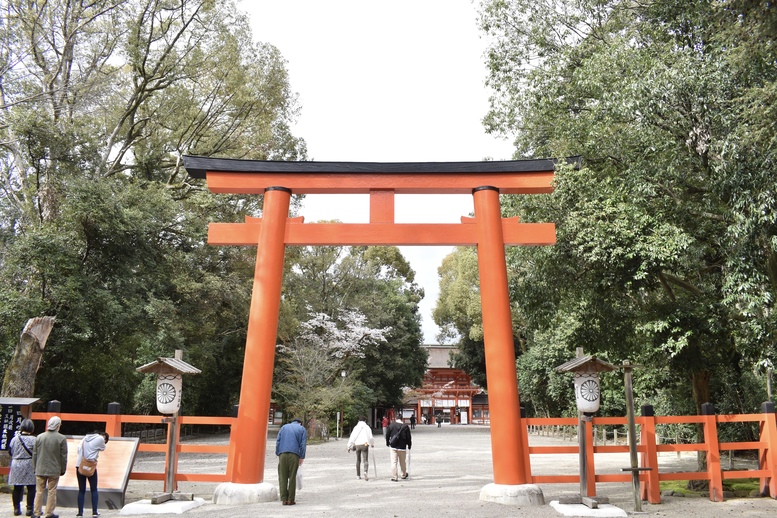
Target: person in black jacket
point(398, 438)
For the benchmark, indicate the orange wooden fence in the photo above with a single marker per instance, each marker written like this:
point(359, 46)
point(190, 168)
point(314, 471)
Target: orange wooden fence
point(649, 447)
point(113, 425)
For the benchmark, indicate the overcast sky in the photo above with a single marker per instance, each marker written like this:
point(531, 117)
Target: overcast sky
point(398, 81)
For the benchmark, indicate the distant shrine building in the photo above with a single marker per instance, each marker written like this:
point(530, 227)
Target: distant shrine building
point(447, 394)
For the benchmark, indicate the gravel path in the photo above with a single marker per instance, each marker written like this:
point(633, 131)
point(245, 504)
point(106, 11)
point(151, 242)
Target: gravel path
point(449, 466)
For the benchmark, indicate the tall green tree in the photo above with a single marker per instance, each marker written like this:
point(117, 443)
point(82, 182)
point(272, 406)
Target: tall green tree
point(100, 225)
point(663, 256)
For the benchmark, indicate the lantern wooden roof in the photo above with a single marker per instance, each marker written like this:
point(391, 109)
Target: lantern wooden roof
point(586, 364)
point(169, 366)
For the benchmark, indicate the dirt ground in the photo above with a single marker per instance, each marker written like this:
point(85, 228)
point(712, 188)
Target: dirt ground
point(448, 468)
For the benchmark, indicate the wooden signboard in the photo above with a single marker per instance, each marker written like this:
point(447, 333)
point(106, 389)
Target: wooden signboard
point(113, 470)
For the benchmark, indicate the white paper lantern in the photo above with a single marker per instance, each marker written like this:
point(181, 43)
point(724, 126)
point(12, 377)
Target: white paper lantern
point(168, 393)
point(587, 391)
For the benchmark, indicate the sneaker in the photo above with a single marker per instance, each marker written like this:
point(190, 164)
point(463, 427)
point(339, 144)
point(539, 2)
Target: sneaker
point(366, 477)
point(405, 476)
point(358, 477)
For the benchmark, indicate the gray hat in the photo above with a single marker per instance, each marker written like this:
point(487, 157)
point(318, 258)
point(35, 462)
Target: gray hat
point(54, 423)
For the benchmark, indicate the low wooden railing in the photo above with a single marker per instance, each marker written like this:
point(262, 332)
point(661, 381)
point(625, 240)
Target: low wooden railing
point(648, 448)
point(113, 425)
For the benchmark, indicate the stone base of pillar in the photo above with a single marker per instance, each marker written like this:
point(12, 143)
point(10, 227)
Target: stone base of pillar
point(230, 493)
point(523, 495)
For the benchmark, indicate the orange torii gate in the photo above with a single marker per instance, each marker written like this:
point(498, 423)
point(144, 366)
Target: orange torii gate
point(271, 233)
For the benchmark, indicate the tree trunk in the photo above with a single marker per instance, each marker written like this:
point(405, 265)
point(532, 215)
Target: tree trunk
point(19, 380)
point(701, 394)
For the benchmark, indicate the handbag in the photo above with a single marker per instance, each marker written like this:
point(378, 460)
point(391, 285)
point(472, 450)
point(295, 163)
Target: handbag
point(87, 467)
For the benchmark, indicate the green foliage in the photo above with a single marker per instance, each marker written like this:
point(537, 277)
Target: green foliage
point(377, 283)
point(99, 223)
point(666, 235)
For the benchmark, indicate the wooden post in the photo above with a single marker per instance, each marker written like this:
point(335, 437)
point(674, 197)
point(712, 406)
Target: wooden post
point(651, 490)
point(171, 456)
point(632, 436)
point(113, 420)
point(768, 455)
point(508, 456)
point(589, 454)
point(714, 472)
point(582, 446)
point(248, 443)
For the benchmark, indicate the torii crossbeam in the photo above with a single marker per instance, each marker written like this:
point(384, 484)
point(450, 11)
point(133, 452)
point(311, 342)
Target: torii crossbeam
point(275, 230)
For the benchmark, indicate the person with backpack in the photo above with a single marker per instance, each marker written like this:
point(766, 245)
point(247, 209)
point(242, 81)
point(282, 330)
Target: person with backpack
point(399, 439)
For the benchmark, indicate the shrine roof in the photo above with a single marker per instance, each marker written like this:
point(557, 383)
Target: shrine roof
point(197, 166)
point(439, 356)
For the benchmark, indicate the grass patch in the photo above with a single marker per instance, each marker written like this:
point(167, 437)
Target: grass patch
point(740, 486)
point(678, 486)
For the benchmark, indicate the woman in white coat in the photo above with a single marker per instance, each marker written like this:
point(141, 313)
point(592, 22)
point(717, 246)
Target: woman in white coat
point(361, 440)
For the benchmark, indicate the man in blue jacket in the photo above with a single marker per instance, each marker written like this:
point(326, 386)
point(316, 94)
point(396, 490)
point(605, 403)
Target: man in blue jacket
point(290, 449)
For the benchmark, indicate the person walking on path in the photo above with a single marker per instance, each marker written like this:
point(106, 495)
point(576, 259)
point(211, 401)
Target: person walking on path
point(22, 473)
point(399, 439)
point(290, 448)
point(385, 424)
point(49, 457)
point(361, 440)
point(412, 422)
point(89, 449)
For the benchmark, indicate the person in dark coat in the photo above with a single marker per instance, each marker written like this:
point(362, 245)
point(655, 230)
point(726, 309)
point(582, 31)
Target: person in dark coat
point(399, 439)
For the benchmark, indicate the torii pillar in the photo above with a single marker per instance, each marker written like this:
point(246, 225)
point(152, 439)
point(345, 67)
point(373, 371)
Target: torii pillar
point(277, 181)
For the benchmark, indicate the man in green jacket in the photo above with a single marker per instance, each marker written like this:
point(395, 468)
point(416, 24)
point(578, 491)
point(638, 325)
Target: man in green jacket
point(49, 458)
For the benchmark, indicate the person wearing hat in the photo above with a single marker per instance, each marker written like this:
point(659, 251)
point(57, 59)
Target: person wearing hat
point(290, 447)
point(49, 456)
